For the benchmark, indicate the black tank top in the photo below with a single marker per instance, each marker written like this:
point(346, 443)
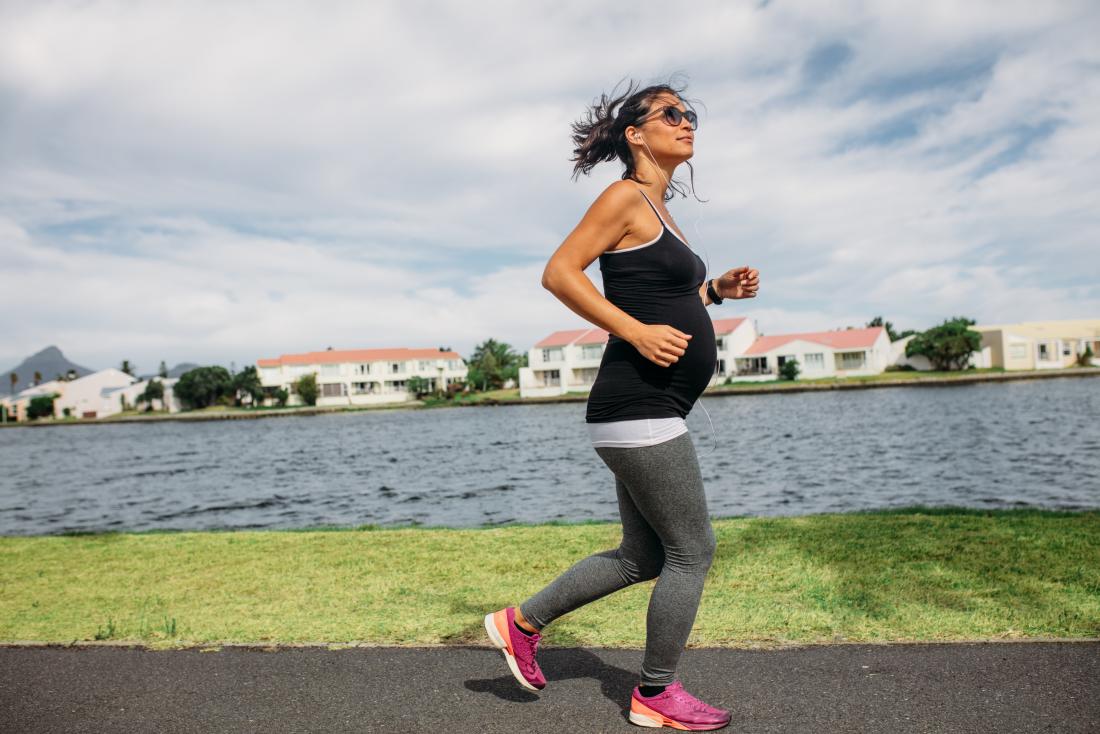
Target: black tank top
point(656, 283)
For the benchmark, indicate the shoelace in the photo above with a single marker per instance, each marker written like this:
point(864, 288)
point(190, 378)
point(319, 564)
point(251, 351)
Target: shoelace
point(690, 700)
point(532, 644)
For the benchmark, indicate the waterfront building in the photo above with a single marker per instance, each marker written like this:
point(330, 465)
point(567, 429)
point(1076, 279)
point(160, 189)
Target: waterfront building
point(113, 397)
point(1038, 345)
point(360, 376)
point(16, 405)
point(843, 353)
point(90, 396)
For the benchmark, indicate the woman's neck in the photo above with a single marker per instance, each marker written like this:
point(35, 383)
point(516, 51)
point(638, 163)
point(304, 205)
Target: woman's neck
point(658, 178)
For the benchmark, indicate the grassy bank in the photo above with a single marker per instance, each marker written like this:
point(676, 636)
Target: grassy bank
point(912, 574)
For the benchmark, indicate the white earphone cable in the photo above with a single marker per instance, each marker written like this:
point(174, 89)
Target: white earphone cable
point(695, 224)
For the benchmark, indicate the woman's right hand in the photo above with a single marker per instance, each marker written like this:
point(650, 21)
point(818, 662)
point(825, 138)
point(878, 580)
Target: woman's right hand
point(660, 343)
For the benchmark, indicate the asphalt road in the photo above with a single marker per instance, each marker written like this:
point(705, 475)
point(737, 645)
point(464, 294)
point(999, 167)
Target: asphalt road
point(974, 687)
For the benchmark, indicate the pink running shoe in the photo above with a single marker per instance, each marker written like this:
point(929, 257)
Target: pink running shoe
point(677, 709)
point(519, 649)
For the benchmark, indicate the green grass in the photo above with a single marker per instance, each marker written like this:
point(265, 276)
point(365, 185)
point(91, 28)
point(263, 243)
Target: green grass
point(901, 575)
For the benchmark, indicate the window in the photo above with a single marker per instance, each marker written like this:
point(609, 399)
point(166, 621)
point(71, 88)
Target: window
point(851, 360)
point(360, 369)
point(425, 364)
point(551, 378)
point(815, 361)
point(330, 370)
point(721, 342)
point(591, 351)
point(1067, 350)
point(333, 390)
point(1017, 351)
point(1044, 352)
point(395, 367)
point(552, 354)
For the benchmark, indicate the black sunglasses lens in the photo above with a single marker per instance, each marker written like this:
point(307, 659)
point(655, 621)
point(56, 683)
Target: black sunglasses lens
point(674, 116)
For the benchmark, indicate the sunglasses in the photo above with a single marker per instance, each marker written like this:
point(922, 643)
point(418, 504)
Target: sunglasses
point(674, 116)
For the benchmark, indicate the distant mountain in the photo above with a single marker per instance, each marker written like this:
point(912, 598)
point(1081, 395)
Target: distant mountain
point(176, 371)
point(50, 362)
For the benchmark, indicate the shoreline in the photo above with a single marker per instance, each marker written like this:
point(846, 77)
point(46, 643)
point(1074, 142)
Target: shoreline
point(746, 388)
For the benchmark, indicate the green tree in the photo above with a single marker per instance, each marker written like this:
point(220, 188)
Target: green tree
point(154, 390)
point(492, 363)
point(163, 371)
point(1084, 359)
point(37, 377)
point(14, 378)
point(790, 369)
point(203, 386)
point(247, 382)
point(947, 346)
point(41, 406)
point(306, 387)
point(281, 396)
point(127, 367)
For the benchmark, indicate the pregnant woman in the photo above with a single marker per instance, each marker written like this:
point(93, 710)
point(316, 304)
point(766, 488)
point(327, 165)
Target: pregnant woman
point(660, 355)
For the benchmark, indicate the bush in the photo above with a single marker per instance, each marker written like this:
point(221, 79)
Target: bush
point(947, 346)
point(281, 396)
point(1085, 358)
point(789, 370)
point(900, 368)
point(306, 387)
point(41, 406)
point(203, 386)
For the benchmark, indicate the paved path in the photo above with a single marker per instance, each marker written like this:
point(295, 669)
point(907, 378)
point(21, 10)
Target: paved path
point(974, 687)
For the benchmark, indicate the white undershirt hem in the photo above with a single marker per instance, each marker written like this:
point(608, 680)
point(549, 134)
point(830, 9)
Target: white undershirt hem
point(636, 433)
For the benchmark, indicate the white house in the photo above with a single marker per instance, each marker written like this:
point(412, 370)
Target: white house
point(90, 396)
point(113, 396)
point(565, 361)
point(360, 376)
point(733, 337)
point(843, 353)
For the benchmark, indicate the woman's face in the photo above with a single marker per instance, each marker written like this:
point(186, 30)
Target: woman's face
point(667, 142)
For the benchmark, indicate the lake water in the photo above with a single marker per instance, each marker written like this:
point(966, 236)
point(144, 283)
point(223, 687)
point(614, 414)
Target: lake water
point(1029, 443)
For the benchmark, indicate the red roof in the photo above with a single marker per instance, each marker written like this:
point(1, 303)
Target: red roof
point(574, 336)
point(330, 356)
point(725, 326)
point(846, 339)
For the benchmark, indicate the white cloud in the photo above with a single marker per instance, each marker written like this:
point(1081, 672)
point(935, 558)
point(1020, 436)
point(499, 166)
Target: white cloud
point(216, 182)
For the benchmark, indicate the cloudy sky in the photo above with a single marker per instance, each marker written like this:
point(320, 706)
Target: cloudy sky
point(221, 182)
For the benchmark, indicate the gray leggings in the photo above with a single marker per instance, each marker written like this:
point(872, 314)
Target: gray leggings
point(666, 533)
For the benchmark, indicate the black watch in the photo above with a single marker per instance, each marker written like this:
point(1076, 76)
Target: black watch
point(712, 294)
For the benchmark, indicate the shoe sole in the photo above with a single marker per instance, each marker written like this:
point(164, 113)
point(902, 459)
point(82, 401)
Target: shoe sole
point(655, 720)
point(502, 645)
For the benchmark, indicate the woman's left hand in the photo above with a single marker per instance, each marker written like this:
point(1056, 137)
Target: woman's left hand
point(741, 282)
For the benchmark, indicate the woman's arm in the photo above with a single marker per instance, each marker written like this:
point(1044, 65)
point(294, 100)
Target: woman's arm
point(605, 223)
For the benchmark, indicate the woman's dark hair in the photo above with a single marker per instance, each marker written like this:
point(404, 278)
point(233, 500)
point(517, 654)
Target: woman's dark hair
point(600, 135)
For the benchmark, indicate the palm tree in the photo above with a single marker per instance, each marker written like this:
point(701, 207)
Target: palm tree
point(127, 368)
point(37, 377)
point(14, 379)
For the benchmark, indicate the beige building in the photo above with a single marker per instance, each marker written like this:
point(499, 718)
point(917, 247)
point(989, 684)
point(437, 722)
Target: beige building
point(1037, 345)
